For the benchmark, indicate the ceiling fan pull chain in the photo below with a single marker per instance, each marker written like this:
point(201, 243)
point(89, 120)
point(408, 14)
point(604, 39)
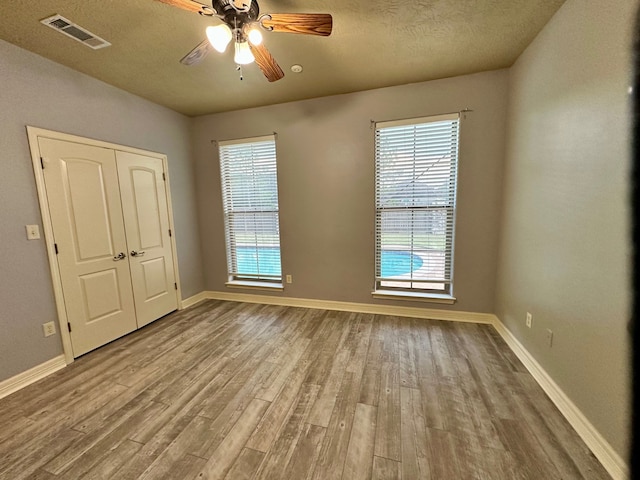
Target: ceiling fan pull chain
point(239, 69)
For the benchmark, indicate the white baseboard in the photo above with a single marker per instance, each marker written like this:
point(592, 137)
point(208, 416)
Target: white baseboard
point(15, 383)
point(189, 302)
point(414, 312)
point(611, 461)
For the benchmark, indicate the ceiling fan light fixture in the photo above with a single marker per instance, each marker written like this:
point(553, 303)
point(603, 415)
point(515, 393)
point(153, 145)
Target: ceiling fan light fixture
point(243, 54)
point(255, 37)
point(242, 20)
point(219, 37)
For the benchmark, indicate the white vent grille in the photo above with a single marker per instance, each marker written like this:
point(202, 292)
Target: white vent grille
point(70, 29)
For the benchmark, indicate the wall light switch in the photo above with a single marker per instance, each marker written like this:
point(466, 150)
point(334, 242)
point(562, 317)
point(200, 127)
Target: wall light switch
point(49, 329)
point(33, 232)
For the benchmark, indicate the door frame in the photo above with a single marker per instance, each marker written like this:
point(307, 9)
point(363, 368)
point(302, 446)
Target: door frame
point(33, 134)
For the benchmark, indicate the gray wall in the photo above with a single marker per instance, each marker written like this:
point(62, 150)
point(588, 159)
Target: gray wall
point(37, 92)
point(564, 252)
point(562, 225)
point(326, 172)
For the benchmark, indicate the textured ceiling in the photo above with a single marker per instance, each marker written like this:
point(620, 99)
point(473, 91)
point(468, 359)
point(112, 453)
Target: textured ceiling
point(375, 43)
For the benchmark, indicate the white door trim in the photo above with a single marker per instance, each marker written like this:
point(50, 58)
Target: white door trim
point(33, 134)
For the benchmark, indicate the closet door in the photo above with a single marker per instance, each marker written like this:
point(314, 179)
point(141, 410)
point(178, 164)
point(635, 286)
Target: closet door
point(86, 215)
point(146, 219)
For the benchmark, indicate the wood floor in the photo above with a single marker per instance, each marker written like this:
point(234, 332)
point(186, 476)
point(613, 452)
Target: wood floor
point(239, 391)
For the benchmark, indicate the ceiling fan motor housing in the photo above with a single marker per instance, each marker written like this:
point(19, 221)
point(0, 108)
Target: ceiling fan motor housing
point(234, 18)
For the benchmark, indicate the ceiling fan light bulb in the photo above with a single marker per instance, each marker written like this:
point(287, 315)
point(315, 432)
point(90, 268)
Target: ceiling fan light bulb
point(243, 54)
point(219, 37)
point(255, 37)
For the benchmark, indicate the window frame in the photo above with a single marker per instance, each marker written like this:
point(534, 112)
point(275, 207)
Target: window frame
point(244, 196)
point(406, 287)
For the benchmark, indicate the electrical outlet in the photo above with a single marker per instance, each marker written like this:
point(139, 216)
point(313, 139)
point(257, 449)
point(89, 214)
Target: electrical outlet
point(549, 338)
point(289, 279)
point(529, 320)
point(49, 329)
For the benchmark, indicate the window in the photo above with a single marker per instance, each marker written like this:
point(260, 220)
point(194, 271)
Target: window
point(416, 163)
point(250, 203)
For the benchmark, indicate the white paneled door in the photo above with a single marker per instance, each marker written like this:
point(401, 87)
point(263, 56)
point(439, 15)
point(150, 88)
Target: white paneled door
point(98, 222)
point(146, 220)
point(86, 215)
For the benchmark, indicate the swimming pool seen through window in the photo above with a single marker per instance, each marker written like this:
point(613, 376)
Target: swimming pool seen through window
point(416, 164)
point(251, 215)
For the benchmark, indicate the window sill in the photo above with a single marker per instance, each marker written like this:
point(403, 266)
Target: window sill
point(255, 285)
point(415, 296)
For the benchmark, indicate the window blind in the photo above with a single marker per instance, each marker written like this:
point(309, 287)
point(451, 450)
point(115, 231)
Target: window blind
point(416, 169)
point(250, 203)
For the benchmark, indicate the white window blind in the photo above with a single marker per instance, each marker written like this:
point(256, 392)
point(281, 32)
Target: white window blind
point(416, 165)
point(250, 202)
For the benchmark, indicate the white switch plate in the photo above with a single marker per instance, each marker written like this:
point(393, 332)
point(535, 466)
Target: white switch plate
point(49, 329)
point(289, 279)
point(33, 232)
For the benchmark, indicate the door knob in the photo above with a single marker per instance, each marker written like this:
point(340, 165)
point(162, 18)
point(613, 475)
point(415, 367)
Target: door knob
point(137, 254)
point(121, 256)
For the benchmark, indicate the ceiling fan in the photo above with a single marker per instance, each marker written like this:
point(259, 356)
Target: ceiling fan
point(242, 23)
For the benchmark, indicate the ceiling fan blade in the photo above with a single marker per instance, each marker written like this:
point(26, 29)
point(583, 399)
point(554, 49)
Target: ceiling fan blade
point(191, 6)
point(266, 62)
point(308, 23)
point(197, 54)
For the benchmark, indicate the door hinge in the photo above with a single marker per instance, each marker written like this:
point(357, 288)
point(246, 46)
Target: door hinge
point(55, 245)
point(42, 162)
point(164, 177)
point(170, 232)
point(69, 327)
point(175, 285)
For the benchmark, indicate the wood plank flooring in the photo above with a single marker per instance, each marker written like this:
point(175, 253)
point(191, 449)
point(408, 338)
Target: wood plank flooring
point(246, 391)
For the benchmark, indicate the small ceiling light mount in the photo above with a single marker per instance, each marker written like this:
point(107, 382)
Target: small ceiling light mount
point(296, 68)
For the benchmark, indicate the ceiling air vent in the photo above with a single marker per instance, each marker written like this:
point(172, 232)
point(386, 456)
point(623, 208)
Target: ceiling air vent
point(70, 29)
